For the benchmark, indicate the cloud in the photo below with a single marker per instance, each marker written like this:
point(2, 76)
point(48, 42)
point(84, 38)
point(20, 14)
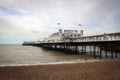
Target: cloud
point(10, 11)
point(35, 31)
point(29, 18)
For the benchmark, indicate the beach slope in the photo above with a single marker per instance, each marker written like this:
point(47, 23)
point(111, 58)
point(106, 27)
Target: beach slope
point(102, 70)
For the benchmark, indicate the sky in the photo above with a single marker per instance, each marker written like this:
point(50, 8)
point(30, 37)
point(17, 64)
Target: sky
point(32, 20)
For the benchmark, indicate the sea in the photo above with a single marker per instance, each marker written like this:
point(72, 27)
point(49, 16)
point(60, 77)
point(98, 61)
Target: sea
point(19, 55)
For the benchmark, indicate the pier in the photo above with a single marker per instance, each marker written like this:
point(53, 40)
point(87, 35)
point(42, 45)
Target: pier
point(96, 46)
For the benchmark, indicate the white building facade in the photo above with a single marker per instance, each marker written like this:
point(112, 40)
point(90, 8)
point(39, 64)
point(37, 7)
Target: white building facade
point(65, 36)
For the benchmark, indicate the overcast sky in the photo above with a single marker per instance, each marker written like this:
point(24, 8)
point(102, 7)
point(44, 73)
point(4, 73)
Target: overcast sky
point(29, 20)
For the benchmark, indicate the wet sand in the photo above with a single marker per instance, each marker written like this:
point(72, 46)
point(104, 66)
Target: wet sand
point(102, 70)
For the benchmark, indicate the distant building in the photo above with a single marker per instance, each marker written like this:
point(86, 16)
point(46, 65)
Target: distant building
point(65, 36)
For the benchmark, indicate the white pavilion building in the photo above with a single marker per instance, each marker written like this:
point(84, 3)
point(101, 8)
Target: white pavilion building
point(65, 36)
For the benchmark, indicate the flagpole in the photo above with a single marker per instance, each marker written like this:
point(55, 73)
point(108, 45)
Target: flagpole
point(80, 25)
point(58, 25)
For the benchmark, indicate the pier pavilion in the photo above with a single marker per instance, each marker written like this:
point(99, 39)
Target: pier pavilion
point(65, 36)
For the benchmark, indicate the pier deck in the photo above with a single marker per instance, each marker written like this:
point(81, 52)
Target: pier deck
point(92, 45)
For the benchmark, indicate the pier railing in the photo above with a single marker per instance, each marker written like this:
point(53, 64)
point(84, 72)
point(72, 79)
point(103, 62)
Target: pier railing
point(102, 37)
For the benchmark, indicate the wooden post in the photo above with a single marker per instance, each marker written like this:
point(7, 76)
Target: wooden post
point(94, 52)
point(98, 49)
point(85, 49)
point(90, 49)
point(55, 47)
point(116, 51)
point(100, 52)
point(76, 51)
point(106, 51)
point(111, 52)
point(73, 48)
point(82, 49)
point(64, 48)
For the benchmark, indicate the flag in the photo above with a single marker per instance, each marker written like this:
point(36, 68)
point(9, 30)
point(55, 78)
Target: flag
point(80, 24)
point(58, 23)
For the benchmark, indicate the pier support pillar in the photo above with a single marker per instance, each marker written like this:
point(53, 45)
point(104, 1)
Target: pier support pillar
point(82, 49)
point(85, 49)
point(105, 51)
point(55, 47)
point(90, 49)
point(76, 51)
point(100, 51)
point(94, 52)
point(116, 51)
point(65, 48)
point(111, 52)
